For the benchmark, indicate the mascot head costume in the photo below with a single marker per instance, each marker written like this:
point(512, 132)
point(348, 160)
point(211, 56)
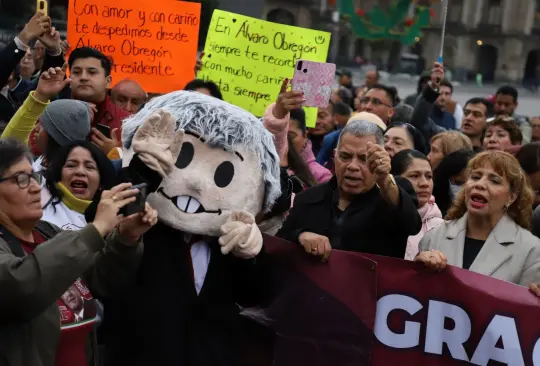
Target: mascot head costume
point(217, 162)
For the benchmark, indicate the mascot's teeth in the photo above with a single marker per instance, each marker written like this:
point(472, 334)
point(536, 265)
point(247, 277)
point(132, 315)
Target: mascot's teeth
point(187, 204)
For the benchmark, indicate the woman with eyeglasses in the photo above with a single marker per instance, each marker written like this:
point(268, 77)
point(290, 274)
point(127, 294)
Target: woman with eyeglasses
point(49, 277)
point(74, 176)
point(401, 136)
point(380, 100)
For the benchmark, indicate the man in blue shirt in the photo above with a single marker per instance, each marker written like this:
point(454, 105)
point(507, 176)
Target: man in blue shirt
point(342, 113)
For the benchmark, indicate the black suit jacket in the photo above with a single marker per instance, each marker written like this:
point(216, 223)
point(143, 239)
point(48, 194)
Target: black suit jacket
point(369, 225)
point(10, 56)
point(160, 320)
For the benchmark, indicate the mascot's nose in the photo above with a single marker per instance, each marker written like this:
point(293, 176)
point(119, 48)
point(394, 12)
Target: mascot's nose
point(196, 184)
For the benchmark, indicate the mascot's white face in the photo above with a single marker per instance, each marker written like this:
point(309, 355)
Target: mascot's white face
point(217, 170)
point(206, 185)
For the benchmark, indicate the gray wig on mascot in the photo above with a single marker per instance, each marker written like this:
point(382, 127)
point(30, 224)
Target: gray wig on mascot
point(218, 169)
point(215, 159)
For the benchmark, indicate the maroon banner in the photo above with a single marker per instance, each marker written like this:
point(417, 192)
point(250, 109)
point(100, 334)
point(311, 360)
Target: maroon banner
point(368, 310)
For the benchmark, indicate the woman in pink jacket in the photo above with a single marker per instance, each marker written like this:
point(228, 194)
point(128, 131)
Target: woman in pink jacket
point(415, 166)
point(281, 123)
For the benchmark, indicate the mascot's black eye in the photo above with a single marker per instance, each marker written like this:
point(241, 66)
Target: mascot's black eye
point(186, 155)
point(224, 174)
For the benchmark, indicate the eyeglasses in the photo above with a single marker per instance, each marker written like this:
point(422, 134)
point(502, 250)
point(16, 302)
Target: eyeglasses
point(375, 101)
point(23, 179)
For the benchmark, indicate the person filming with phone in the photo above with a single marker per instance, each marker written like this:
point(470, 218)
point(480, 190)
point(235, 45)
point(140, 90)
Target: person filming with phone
point(39, 262)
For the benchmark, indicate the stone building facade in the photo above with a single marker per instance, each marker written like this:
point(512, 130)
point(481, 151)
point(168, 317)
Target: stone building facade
point(498, 38)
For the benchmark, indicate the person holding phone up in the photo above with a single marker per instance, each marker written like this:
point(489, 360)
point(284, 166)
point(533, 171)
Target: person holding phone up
point(39, 263)
point(10, 57)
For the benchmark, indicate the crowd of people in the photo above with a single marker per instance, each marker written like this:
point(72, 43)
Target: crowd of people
point(421, 179)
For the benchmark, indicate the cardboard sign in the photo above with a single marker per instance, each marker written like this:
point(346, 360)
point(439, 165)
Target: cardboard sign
point(249, 58)
point(152, 42)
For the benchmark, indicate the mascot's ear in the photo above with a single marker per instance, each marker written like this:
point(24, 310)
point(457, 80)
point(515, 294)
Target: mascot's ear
point(157, 143)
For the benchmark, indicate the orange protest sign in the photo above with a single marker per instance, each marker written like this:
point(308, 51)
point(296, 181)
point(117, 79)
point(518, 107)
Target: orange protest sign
point(151, 41)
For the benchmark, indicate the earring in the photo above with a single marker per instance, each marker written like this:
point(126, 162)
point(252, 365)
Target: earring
point(505, 208)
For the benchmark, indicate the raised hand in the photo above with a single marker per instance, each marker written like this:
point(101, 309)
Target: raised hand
point(378, 162)
point(51, 82)
point(105, 143)
point(157, 143)
point(437, 74)
point(36, 27)
point(107, 213)
point(51, 40)
point(287, 101)
point(199, 62)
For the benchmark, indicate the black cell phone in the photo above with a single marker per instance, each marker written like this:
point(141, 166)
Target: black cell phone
point(139, 203)
point(104, 129)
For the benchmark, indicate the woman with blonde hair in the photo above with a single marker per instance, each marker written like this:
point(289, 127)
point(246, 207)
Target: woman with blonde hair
point(445, 143)
point(489, 222)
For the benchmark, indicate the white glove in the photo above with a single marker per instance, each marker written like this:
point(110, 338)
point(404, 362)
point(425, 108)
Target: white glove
point(156, 142)
point(241, 236)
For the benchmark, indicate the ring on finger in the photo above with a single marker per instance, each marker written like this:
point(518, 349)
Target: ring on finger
point(114, 198)
point(313, 250)
point(380, 161)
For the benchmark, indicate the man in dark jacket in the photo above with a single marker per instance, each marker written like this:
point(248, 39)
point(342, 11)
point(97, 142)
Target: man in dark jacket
point(363, 208)
point(439, 114)
point(13, 91)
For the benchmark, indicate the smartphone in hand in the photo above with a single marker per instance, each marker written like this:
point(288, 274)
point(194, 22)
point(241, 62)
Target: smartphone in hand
point(43, 6)
point(315, 79)
point(140, 201)
point(104, 129)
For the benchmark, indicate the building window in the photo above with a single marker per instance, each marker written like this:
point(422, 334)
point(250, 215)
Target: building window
point(493, 12)
point(455, 8)
point(537, 15)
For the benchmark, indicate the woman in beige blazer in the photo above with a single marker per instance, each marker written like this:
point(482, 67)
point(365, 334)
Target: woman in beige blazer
point(488, 227)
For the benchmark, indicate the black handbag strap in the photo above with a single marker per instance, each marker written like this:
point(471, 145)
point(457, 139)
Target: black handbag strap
point(43, 228)
point(13, 242)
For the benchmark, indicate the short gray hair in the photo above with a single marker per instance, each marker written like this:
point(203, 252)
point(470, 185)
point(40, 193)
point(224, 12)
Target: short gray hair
point(221, 124)
point(363, 128)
